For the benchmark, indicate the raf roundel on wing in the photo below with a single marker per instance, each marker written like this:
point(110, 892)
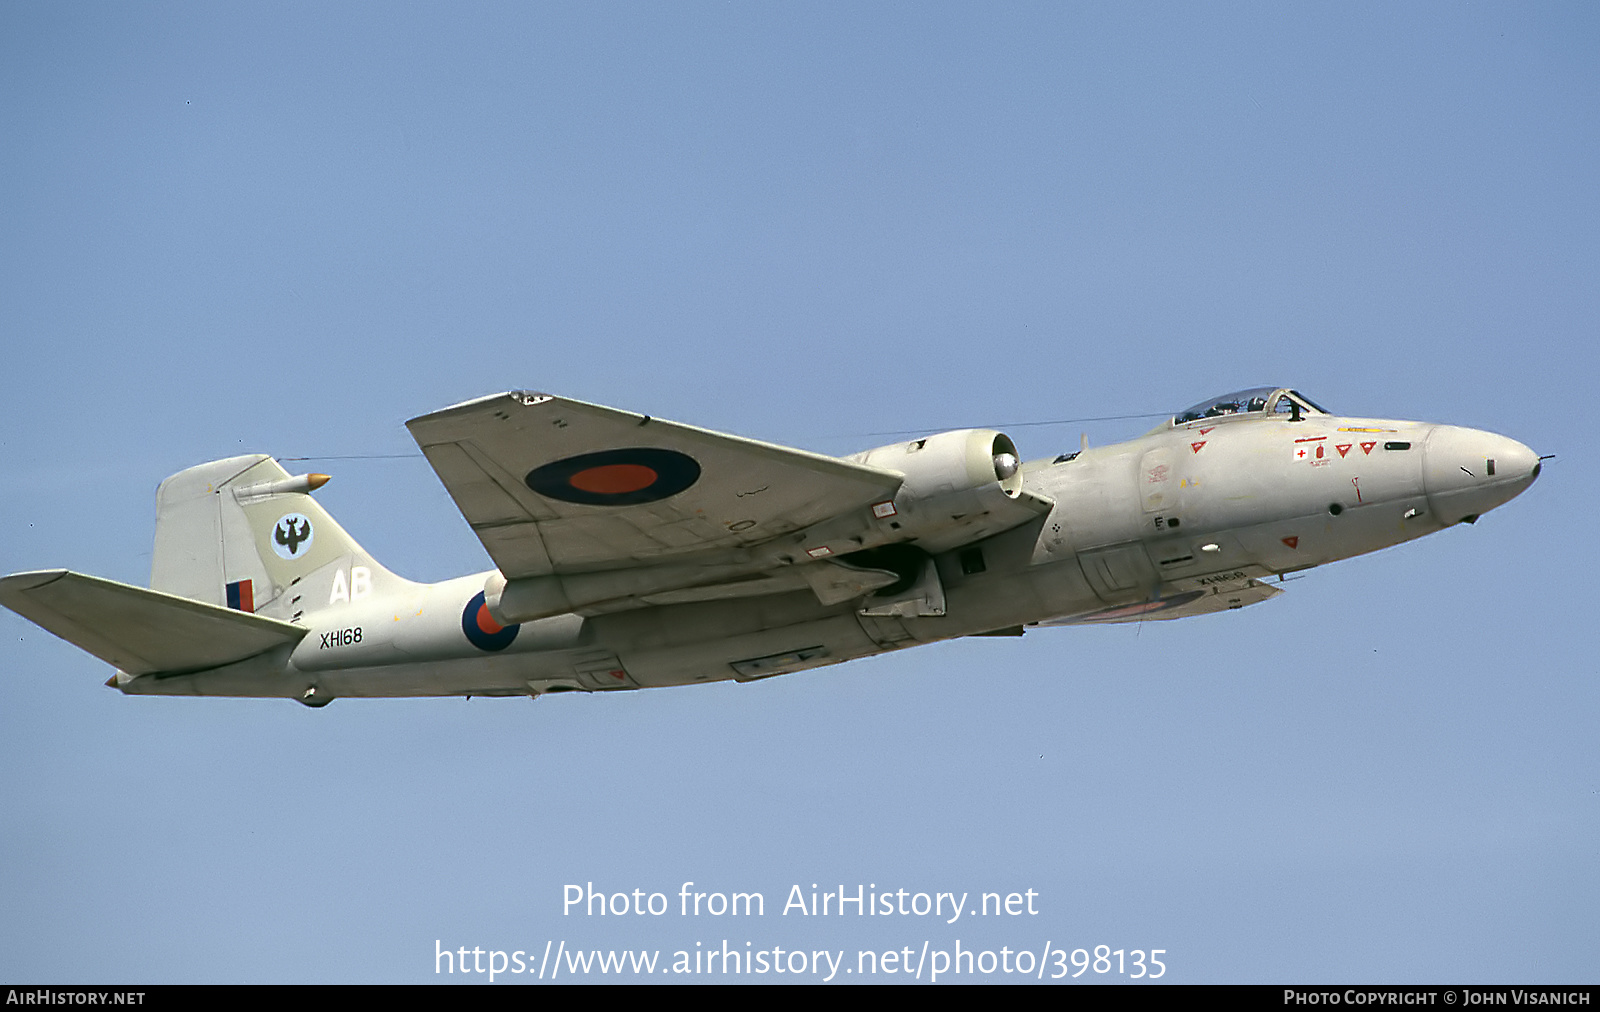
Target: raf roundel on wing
point(625, 477)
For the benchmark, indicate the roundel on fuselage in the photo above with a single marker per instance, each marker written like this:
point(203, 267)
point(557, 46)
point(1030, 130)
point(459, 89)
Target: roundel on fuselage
point(625, 477)
point(482, 630)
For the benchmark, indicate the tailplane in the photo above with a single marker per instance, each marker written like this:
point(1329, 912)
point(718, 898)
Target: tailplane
point(242, 553)
point(141, 631)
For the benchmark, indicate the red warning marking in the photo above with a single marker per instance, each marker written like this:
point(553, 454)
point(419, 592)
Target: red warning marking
point(618, 674)
point(1343, 448)
point(486, 623)
point(1196, 446)
point(1207, 429)
point(1367, 447)
point(614, 479)
point(1293, 542)
point(1310, 439)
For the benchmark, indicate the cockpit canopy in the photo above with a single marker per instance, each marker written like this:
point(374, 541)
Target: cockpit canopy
point(1257, 401)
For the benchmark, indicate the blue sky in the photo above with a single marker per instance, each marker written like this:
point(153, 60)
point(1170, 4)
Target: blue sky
point(288, 228)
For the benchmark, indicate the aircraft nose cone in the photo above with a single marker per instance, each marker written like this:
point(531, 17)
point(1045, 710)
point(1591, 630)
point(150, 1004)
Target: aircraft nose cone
point(1467, 472)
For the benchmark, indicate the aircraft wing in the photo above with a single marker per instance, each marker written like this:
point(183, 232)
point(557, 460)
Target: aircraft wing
point(557, 486)
point(141, 631)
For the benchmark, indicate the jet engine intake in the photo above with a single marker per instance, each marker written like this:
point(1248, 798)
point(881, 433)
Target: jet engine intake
point(959, 486)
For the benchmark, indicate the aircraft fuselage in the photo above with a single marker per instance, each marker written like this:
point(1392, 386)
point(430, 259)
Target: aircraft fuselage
point(1188, 519)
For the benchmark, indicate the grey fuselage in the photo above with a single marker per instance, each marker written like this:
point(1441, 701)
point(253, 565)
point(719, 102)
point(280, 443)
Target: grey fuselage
point(1184, 520)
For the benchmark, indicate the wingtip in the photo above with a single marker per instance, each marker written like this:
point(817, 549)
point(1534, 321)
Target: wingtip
point(32, 580)
point(522, 396)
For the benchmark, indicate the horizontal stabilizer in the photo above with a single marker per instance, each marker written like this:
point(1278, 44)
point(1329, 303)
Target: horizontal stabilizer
point(141, 631)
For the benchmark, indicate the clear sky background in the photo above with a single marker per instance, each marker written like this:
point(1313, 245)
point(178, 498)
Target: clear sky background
point(288, 228)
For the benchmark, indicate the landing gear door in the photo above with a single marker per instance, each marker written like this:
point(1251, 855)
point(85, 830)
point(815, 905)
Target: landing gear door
point(600, 671)
point(1115, 570)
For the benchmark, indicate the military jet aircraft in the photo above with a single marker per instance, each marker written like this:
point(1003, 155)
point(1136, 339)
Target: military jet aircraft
point(633, 552)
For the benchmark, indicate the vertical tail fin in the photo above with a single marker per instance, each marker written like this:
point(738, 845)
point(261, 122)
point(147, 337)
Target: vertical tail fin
point(244, 533)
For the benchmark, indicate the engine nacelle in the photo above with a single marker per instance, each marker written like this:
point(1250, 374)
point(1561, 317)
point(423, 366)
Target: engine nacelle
point(959, 486)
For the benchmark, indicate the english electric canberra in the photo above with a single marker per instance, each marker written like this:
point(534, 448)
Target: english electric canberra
point(632, 552)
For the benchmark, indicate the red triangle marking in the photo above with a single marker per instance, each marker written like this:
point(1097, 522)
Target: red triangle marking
point(1367, 447)
point(1293, 542)
point(1343, 448)
point(1207, 429)
point(619, 675)
point(1196, 446)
